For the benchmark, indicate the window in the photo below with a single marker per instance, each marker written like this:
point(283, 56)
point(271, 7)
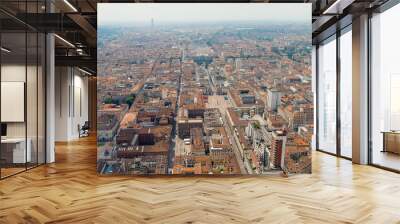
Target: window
point(22, 88)
point(327, 96)
point(346, 93)
point(385, 89)
point(314, 89)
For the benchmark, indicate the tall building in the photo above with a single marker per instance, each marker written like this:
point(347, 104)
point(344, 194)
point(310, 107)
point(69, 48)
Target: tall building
point(273, 99)
point(277, 152)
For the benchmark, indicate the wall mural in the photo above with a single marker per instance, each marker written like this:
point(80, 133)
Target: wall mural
point(212, 89)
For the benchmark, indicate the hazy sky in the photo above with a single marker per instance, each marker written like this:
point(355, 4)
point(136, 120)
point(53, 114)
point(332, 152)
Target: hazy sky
point(201, 12)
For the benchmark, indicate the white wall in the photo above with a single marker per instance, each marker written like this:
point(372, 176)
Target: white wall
point(71, 103)
point(61, 103)
point(17, 73)
point(12, 73)
point(81, 114)
point(33, 126)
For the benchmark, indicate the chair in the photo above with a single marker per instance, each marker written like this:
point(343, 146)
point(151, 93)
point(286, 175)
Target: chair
point(84, 130)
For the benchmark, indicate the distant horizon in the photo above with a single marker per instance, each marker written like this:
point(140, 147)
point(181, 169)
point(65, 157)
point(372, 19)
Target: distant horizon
point(230, 22)
point(187, 13)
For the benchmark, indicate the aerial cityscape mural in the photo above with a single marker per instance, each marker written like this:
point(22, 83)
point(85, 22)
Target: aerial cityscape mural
point(204, 89)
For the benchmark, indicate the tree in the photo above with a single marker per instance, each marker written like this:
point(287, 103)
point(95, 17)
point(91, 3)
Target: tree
point(108, 100)
point(129, 100)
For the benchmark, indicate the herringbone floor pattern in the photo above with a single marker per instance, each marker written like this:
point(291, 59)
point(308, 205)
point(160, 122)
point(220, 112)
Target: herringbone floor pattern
point(70, 191)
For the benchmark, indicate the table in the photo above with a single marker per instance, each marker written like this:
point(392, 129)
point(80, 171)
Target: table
point(13, 150)
point(391, 141)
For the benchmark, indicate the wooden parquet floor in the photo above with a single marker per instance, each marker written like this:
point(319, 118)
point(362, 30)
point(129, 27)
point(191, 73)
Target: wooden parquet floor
point(70, 191)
